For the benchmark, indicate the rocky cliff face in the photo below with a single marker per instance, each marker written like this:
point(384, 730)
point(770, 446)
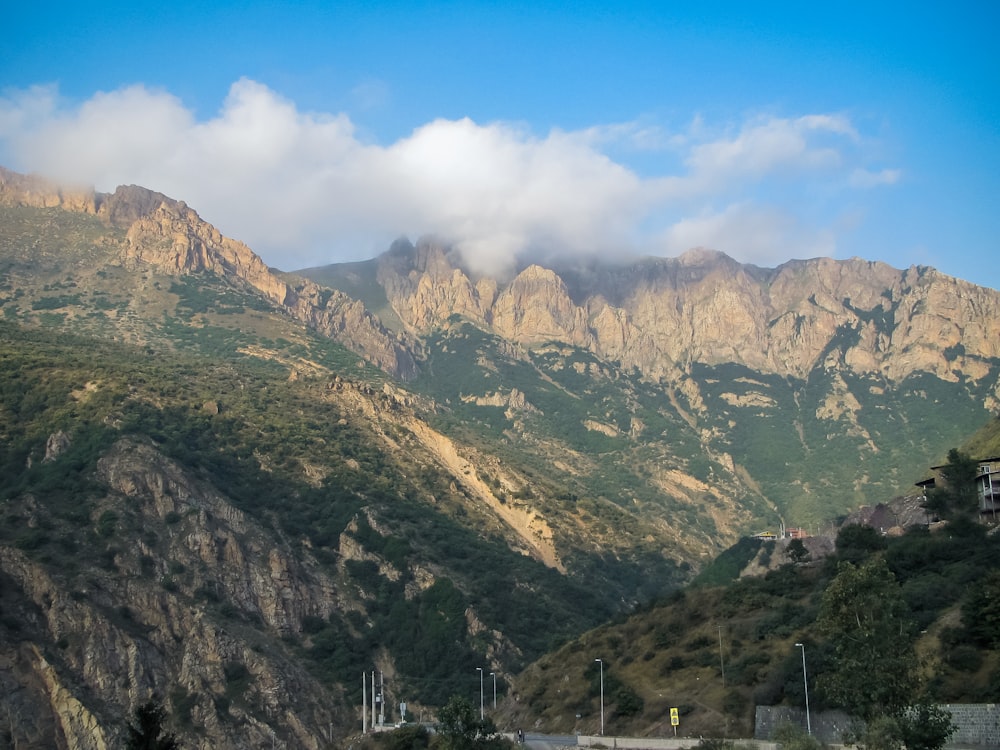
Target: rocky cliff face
point(657, 315)
point(168, 235)
point(661, 315)
point(147, 621)
point(37, 192)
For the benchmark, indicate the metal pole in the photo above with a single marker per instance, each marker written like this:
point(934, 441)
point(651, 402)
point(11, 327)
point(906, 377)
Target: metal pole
point(601, 662)
point(494, 676)
point(805, 684)
point(722, 663)
point(364, 703)
point(482, 710)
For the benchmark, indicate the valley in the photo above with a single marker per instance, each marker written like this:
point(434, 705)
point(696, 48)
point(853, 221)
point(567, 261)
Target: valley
point(235, 489)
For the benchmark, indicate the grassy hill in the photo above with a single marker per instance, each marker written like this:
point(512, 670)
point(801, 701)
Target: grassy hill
point(716, 652)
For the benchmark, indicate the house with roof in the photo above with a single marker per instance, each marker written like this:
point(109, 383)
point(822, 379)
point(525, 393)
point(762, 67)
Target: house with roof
point(987, 485)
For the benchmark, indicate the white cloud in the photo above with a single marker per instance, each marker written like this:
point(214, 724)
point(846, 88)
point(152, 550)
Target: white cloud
point(303, 189)
point(769, 145)
point(864, 178)
point(749, 233)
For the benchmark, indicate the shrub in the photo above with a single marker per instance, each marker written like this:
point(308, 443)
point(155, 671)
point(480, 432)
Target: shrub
point(964, 658)
point(106, 524)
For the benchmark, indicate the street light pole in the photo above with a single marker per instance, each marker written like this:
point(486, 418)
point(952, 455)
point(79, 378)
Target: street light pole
point(494, 676)
point(482, 711)
point(722, 661)
point(601, 662)
point(805, 684)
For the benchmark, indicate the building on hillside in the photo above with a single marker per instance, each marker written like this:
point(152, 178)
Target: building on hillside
point(784, 533)
point(987, 485)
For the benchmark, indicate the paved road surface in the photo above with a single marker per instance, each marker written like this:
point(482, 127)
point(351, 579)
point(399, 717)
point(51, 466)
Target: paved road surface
point(548, 741)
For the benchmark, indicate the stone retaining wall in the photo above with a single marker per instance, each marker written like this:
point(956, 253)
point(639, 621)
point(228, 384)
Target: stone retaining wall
point(978, 724)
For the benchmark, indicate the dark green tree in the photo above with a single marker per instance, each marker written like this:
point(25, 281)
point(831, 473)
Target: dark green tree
point(792, 737)
point(981, 611)
point(460, 727)
point(955, 496)
point(415, 737)
point(874, 663)
point(857, 542)
point(796, 551)
point(926, 727)
point(147, 732)
point(922, 727)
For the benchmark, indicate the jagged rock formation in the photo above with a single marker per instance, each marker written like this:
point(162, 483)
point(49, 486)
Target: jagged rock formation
point(38, 192)
point(167, 234)
point(120, 637)
point(661, 315)
point(657, 315)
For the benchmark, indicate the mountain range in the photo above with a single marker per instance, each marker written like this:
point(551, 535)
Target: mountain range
point(235, 488)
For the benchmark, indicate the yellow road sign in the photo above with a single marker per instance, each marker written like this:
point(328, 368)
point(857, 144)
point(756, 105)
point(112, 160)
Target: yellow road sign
point(675, 718)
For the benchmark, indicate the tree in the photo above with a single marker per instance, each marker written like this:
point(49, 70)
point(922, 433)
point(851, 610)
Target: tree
point(875, 669)
point(956, 495)
point(857, 542)
point(147, 732)
point(874, 665)
point(460, 727)
point(981, 611)
point(414, 737)
point(796, 551)
point(791, 737)
point(878, 733)
point(926, 727)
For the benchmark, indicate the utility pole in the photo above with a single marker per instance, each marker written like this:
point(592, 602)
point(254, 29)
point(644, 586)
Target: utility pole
point(805, 684)
point(722, 663)
point(381, 698)
point(601, 662)
point(482, 711)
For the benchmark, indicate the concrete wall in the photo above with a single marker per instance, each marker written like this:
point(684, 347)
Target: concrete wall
point(827, 726)
point(978, 723)
point(657, 743)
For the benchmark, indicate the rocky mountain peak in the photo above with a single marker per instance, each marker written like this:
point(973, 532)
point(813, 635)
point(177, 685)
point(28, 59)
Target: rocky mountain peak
point(167, 234)
point(37, 192)
point(660, 314)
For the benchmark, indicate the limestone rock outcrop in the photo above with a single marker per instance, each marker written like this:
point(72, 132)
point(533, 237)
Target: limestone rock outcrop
point(37, 192)
point(170, 236)
point(149, 627)
point(660, 315)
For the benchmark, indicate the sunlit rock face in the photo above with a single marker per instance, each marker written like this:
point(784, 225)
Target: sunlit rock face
point(662, 314)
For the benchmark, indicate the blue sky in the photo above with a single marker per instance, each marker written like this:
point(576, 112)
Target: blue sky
point(319, 132)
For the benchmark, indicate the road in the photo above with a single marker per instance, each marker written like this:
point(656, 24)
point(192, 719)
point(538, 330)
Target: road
point(548, 741)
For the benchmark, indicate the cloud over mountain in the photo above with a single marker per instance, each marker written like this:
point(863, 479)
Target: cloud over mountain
point(306, 188)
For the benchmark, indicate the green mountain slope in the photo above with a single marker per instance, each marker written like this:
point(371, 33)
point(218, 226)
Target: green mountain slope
point(235, 491)
point(715, 653)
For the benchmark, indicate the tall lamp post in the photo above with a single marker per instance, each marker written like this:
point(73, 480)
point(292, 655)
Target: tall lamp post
point(482, 713)
point(601, 662)
point(494, 676)
point(805, 684)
